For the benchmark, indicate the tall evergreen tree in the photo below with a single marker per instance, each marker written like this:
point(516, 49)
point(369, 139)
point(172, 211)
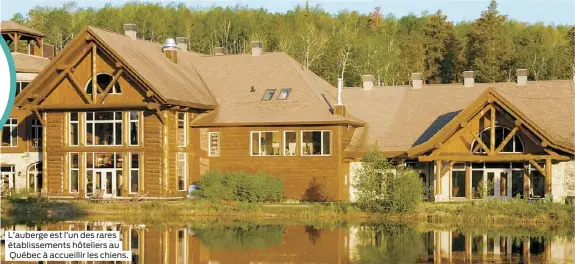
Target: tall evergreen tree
point(487, 52)
point(439, 44)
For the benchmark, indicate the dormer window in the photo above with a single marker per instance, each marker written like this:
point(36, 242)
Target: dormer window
point(269, 94)
point(104, 80)
point(284, 93)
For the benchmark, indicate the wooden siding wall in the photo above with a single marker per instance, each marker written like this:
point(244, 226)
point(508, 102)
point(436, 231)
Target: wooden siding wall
point(304, 177)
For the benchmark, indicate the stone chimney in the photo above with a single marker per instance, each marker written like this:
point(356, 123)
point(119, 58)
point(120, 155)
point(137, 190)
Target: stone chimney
point(182, 43)
point(130, 30)
point(416, 80)
point(521, 77)
point(257, 48)
point(367, 82)
point(468, 79)
point(219, 51)
point(170, 49)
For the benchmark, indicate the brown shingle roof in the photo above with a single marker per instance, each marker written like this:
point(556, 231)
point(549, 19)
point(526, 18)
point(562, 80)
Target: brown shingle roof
point(231, 77)
point(178, 82)
point(11, 26)
point(29, 63)
point(399, 118)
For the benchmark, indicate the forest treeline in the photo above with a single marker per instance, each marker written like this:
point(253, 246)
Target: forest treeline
point(346, 44)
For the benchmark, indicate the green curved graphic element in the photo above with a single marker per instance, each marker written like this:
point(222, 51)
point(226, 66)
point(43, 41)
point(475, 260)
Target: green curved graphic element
point(12, 70)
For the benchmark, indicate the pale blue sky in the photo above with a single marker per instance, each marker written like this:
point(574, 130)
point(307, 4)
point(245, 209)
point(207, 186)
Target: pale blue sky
point(547, 11)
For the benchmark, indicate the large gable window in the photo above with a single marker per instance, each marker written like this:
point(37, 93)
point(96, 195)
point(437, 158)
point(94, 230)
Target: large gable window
point(513, 146)
point(265, 143)
point(315, 143)
point(103, 80)
point(104, 128)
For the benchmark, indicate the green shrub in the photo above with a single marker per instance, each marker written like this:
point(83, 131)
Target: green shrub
point(240, 186)
point(382, 187)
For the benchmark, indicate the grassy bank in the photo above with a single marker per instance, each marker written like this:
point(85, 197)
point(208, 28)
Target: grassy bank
point(477, 213)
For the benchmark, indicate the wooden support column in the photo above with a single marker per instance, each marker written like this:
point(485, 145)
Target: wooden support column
point(437, 178)
point(468, 180)
point(95, 86)
point(492, 134)
point(526, 182)
point(548, 177)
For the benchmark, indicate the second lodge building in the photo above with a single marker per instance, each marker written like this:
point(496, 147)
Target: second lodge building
point(160, 116)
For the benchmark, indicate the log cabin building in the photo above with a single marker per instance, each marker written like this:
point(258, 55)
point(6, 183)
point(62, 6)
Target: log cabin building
point(161, 115)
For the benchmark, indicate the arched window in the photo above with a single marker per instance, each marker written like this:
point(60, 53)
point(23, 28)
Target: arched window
point(35, 177)
point(104, 79)
point(513, 146)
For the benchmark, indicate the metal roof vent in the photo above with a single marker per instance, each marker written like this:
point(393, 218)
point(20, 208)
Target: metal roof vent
point(170, 44)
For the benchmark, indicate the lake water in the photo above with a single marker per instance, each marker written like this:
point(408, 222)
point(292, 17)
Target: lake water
point(242, 242)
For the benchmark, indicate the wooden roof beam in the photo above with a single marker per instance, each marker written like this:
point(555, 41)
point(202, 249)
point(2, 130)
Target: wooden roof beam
point(78, 88)
point(497, 158)
point(117, 75)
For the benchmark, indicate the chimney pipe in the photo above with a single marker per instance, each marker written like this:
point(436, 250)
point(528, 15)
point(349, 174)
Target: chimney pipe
point(257, 48)
point(367, 82)
point(182, 43)
point(339, 90)
point(521, 77)
point(130, 30)
point(416, 80)
point(170, 49)
point(468, 79)
point(219, 51)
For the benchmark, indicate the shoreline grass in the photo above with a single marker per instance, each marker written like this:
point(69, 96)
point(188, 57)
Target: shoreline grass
point(492, 213)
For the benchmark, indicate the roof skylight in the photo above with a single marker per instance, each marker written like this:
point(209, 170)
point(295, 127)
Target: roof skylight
point(284, 93)
point(269, 94)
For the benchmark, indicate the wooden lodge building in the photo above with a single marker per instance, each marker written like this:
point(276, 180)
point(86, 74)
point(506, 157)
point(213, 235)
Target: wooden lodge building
point(160, 116)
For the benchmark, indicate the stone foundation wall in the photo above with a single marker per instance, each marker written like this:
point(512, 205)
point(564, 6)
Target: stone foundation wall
point(21, 162)
point(563, 180)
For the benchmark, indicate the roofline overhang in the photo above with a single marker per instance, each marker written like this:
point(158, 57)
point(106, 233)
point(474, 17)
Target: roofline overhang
point(292, 123)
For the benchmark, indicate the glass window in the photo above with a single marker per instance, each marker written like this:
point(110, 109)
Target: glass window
point(284, 94)
point(513, 146)
point(290, 143)
point(36, 133)
point(458, 183)
point(10, 133)
point(103, 80)
point(182, 170)
point(182, 124)
point(134, 172)
point(476, 180)
point(214, 144)
point(517, 186)
point(537, 184)
point(74, 172)
point(268, 94)
point(266, 143)
point(73, 129)
point(134, 128)
point(315, 143)
point(104, 128)
point(20, 87)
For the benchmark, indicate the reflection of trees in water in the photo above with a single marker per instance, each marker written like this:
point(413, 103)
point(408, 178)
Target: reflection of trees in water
point(389, 243)
point(312, 233)
point(240, 237)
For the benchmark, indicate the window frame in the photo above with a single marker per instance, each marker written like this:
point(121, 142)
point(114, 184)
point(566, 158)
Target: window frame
point(112, 91)
point(287, 96)
point(37, 133)
point(137, 121)
point(11, 123)
point(321, 143)
point(185, 174)
point(19, 87)
point(70, 169)
point(210, 144)
point(260, 143)
point(70, 122)
point(94, 122)
point(271, 97)
point(285, 145)
point(185, 120)
point(131, 169)
point(515, 140)
point(458, 169)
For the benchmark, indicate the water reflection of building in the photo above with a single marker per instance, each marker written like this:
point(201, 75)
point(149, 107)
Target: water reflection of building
point(169, 245)
point(455, 247)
